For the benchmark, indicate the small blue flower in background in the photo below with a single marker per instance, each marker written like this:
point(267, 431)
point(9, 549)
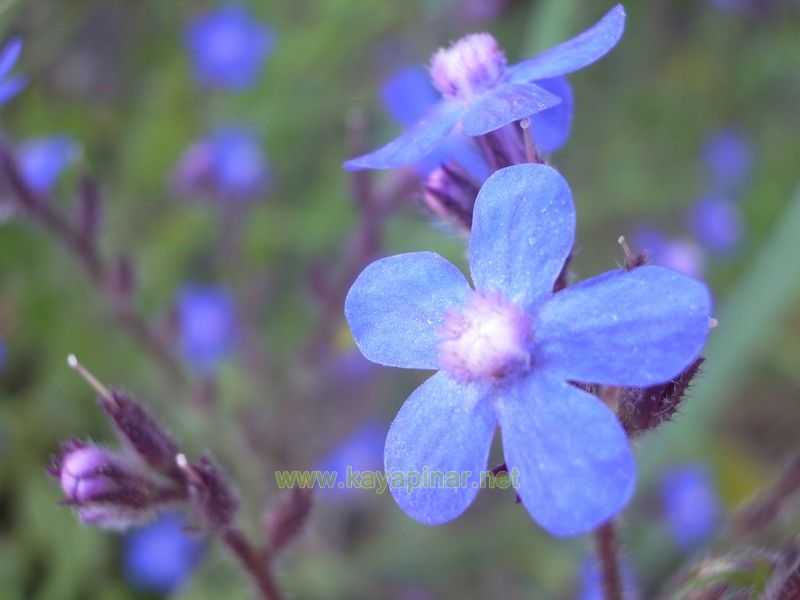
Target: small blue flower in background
point(43, 160)
point(507, 350)
point(10, 86)
point(728, 159)
point(679, 254)
point(207, 324)
point(3, 354)
point(228, 48)
point(691, 507)
point(717, 224)
point(227, 164)
point(161, 556)
point(362, 450)
point(480, 94)
point(591, 583)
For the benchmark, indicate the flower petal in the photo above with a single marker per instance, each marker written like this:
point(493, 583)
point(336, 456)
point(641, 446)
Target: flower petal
point(576, 53)
point(396, 305)
point(505, 104)
point(9, 55)
point(414, 143)
point(634, 328)
point(443, 427)
point(522, 232)
point(574, 467)
point(11, 87)
point(550, 128)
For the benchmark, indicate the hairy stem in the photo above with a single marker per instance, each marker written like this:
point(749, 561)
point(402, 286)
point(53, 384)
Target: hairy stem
point(608, 554)
point(84, 248)
point(256, 565)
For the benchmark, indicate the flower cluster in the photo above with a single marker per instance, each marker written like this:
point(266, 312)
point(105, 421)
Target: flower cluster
point(551, 365)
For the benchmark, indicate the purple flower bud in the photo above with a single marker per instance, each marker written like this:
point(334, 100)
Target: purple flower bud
point(140, 430)
point(82, 476)
point(210, 493)
point(161, 556)
point(107, 489)
point(228, 48)
point(450, 193)
point(690, 505)
point(717, 224)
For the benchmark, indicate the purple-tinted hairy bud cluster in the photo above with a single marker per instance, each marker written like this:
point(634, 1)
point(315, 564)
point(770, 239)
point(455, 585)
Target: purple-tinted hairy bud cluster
point(108, 489)
point(118, 489)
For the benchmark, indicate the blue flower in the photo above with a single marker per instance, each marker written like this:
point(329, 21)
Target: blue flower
point(717, 224)
point(161, 556)
point(728, 158)
point(227, 164)
point(43, 160)
point(508, 350)
point(207, 325)
point(360, 451)
point(690, 505)
point(3, 354)
point(228, 48)
point(10, 86)
point(481, 95)
point(679, 254)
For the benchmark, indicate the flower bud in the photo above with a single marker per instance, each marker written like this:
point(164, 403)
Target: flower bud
point(108, 489)
point(450, 193)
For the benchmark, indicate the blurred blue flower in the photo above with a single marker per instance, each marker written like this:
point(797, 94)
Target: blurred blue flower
point(161, 556)
point(728, 157)
point(10, 86)
point(3, 354)
point(362, 450)
point(681, 255)
point(691, 507)
point(508, 350)
point(717, 223)
point(481, 95)
point(43, 160)
point(591, 582)
point(228, 164)
point(207, 325)
point(228, 48)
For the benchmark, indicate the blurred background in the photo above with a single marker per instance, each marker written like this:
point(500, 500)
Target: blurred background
point(238, 227)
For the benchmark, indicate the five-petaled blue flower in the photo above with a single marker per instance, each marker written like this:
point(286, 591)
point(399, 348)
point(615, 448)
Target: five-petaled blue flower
point(508, 351)
point(228, 48)
point(8, 58)
point(482, 95)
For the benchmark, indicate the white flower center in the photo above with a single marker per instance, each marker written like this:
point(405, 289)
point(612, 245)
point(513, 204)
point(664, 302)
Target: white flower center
point(489, 338)
point(470, 66)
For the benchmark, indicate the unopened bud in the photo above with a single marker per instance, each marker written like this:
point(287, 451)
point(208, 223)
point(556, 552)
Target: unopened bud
point(450, 193)
point(643, 409)
point(210, 493)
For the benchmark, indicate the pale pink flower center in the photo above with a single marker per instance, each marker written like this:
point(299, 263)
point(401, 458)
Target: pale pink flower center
point(470, 66)
point(488, 338)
